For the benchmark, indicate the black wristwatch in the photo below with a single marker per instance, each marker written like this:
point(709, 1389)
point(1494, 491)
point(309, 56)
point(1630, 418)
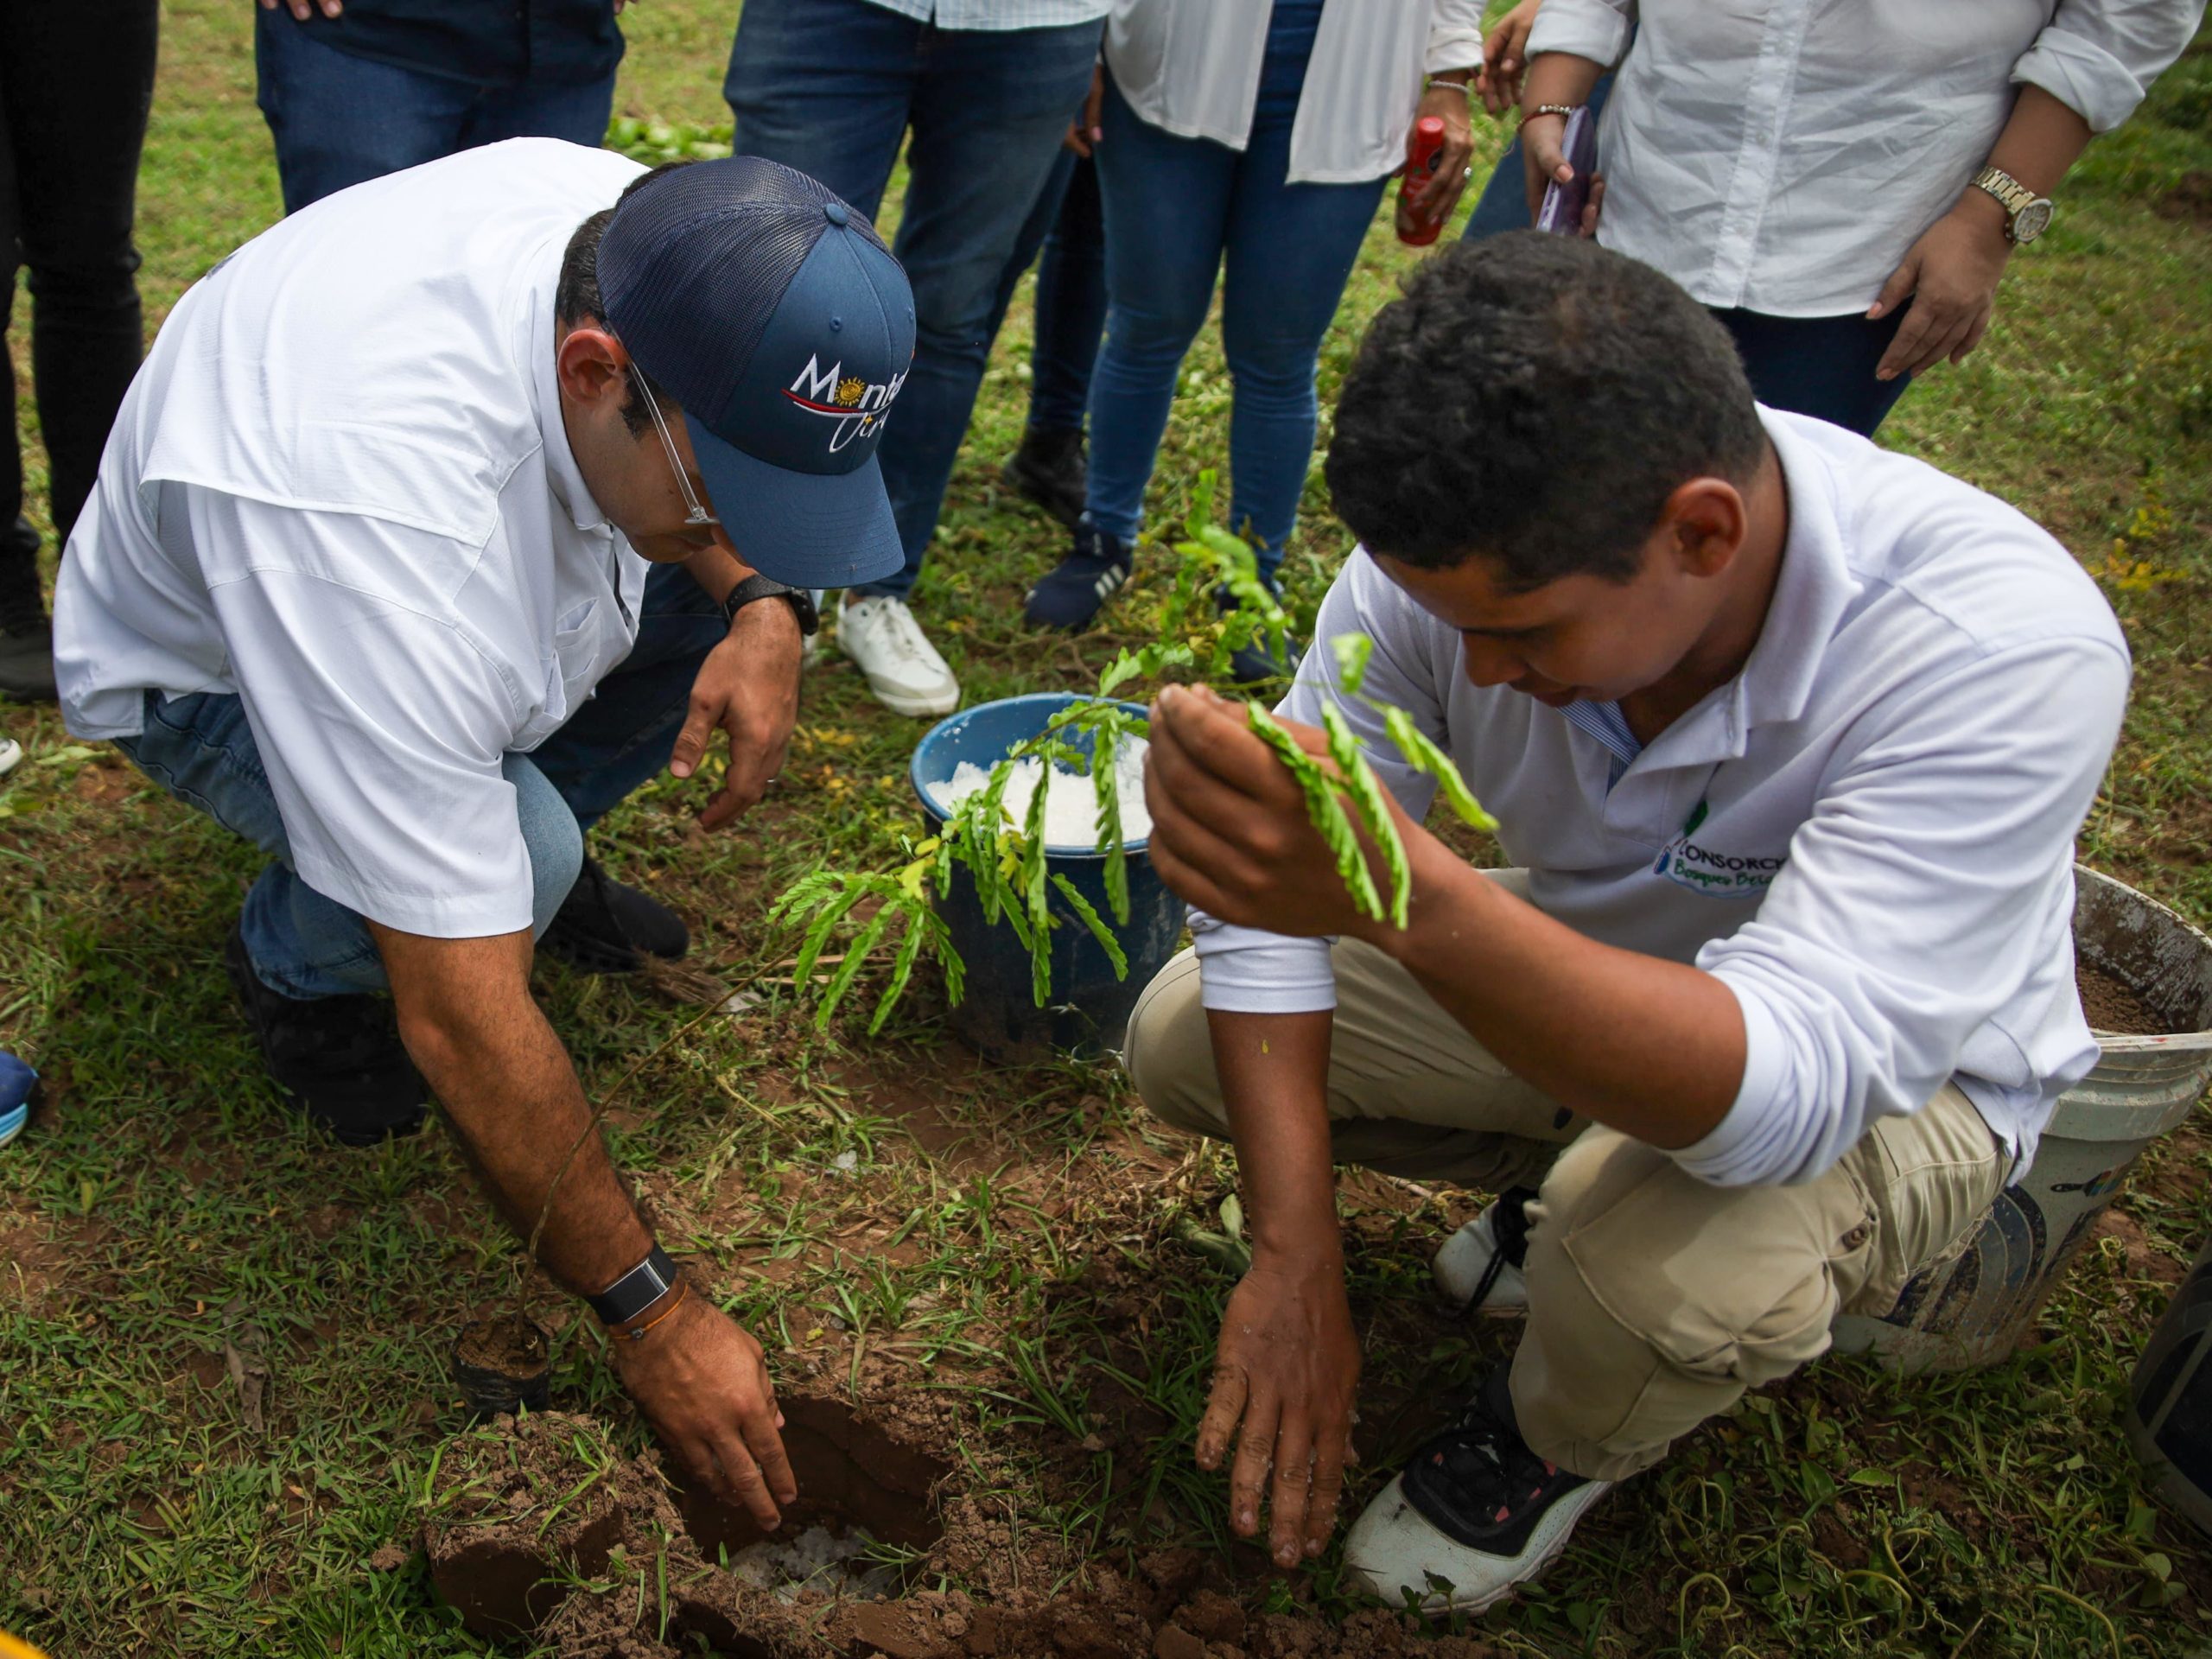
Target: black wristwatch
point(636, 1290)
point(753, 587)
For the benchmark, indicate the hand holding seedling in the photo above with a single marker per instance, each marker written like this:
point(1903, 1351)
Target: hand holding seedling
point(702, 1380)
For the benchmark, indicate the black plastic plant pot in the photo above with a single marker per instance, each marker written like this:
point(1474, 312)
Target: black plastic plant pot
point(502, 1364)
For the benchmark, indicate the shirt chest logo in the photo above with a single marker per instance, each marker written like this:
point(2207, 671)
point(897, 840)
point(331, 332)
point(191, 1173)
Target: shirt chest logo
point(856, 407)
point(1709, 870)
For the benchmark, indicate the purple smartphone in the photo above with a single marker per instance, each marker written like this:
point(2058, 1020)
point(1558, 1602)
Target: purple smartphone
point(1561, 212)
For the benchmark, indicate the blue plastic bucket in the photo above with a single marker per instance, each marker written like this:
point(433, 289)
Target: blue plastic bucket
point(1088, 1008)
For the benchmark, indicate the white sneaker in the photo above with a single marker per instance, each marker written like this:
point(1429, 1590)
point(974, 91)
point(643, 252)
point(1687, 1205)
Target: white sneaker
point(11, 753)
point(1474, 1515)
point(879, 632)
point(1460, 1264)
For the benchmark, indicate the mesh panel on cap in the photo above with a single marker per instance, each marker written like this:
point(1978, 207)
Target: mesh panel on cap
point(697, 262)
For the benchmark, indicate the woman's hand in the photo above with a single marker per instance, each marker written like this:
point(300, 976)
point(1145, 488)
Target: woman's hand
point(1433, 203)
point(1951, 275)
point(1505, 58)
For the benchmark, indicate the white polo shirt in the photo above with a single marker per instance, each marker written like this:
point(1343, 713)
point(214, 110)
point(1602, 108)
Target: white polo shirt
point(1867, 835)
point(340, 488)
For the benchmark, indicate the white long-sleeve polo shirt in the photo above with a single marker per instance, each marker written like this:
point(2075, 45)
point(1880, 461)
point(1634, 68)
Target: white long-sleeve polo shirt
point(340, 489)
point(1193, 67)
point(1867, 835)
point(1784, 157)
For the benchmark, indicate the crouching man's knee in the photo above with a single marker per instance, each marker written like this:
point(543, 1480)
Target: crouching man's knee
point(1169, 1052)
point(1655, 1301)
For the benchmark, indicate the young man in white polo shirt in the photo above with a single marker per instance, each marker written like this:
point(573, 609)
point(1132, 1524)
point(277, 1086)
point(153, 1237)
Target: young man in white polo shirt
point(415, 548)
point(1789, 739)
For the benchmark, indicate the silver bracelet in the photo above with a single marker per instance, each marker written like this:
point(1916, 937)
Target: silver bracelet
point(1466, 86)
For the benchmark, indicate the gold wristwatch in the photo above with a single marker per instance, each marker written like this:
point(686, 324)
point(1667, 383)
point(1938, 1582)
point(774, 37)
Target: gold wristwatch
point(2027, 215)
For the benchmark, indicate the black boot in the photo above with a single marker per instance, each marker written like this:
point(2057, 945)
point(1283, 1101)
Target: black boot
point(26, 639)
point(338, 1059)
point(1050, 470)
point(603, 927)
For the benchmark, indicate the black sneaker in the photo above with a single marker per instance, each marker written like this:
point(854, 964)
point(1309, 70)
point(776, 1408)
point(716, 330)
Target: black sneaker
point(338, 1059)
point(603, 927)
point(1050, 470)
point(1474, 1514)
point(26, 639)
point(1090, 573)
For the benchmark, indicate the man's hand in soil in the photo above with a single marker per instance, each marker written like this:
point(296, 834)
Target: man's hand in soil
point(1288, 1367)
point(700, 1378)
point(512, 1097)
point(749, 687)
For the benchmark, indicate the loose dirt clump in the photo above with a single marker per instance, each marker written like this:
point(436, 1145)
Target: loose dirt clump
point(2111, 1004)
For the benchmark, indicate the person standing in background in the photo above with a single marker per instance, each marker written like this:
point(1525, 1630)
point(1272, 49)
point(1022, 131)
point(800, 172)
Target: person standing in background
point(1843, 186)
point(355, 89)
point(1253, 137)
point(67, 195)
point(988, 88)
point(1070, 317)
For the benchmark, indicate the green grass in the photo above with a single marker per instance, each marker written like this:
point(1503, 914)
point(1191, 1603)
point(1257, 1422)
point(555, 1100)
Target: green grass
point(1001, 1234)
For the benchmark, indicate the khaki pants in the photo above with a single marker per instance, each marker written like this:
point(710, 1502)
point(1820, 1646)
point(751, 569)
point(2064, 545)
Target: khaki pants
point(1654, 1299)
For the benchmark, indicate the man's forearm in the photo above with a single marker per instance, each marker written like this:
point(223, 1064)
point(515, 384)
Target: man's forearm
point(717, 569)
point(512, 1094)
point(1274, 1071)
point(1652, 1048)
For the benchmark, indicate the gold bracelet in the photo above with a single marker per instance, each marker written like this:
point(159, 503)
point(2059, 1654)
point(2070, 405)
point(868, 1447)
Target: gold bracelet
point(637, 1332)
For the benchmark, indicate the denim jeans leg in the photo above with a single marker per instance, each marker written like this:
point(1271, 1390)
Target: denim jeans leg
point(1821, 366)
point(1034, 229)
point(1166, 204)
point(825, 87)
point(1071, 306)
point(1290, 250)
point(202, 749)
point(339, 120)
point(574, 111)
point(988, 116)
point(624, 734)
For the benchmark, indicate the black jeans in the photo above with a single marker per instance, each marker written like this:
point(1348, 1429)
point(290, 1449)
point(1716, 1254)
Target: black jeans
point(76, 81)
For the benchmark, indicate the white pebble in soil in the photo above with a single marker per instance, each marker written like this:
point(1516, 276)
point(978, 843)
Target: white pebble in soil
point(1071, 798)
point(818, 1559)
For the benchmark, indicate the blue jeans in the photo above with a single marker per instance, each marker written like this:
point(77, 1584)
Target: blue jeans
point(829, 87)
point(1821, 366)
point(1070, 293)
point(339, 119)
point(202, 749)
point(1177, 212)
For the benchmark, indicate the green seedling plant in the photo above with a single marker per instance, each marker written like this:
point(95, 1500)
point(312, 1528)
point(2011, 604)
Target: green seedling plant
point(1006, 861)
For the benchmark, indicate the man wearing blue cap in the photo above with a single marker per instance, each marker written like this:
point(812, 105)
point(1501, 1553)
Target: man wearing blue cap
point(441, 517)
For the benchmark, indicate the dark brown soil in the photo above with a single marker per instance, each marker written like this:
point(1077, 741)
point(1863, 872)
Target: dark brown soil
point(2112, 1005)
point(507, 1344)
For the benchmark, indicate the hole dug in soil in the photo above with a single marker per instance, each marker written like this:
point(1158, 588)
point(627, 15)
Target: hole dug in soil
point(538, 1528)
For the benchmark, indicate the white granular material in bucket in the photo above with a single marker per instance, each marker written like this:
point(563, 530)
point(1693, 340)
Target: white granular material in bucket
point(817, 1560)
point(1071, 799)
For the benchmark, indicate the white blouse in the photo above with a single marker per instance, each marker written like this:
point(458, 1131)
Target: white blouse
point(1781, 155)
point(1193, 67)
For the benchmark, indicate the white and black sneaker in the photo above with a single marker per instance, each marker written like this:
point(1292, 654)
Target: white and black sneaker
point(1474, 1514)
point(1478, 1269)
point(1072, 591)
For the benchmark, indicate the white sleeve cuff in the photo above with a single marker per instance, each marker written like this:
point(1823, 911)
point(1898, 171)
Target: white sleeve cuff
point(1583, 28)
point(2083, 76)
point(1741, 1149)
point(1245, 971)
point(1455, 37)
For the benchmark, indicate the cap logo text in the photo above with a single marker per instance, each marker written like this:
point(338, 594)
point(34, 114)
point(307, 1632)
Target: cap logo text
point(858, 407)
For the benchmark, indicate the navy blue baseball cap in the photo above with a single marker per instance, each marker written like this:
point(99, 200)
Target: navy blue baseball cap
point(773, 312)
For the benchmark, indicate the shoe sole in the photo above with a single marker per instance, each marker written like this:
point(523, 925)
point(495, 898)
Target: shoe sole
point(917, 708)
point(12, 1123)
point(1573, 1507)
